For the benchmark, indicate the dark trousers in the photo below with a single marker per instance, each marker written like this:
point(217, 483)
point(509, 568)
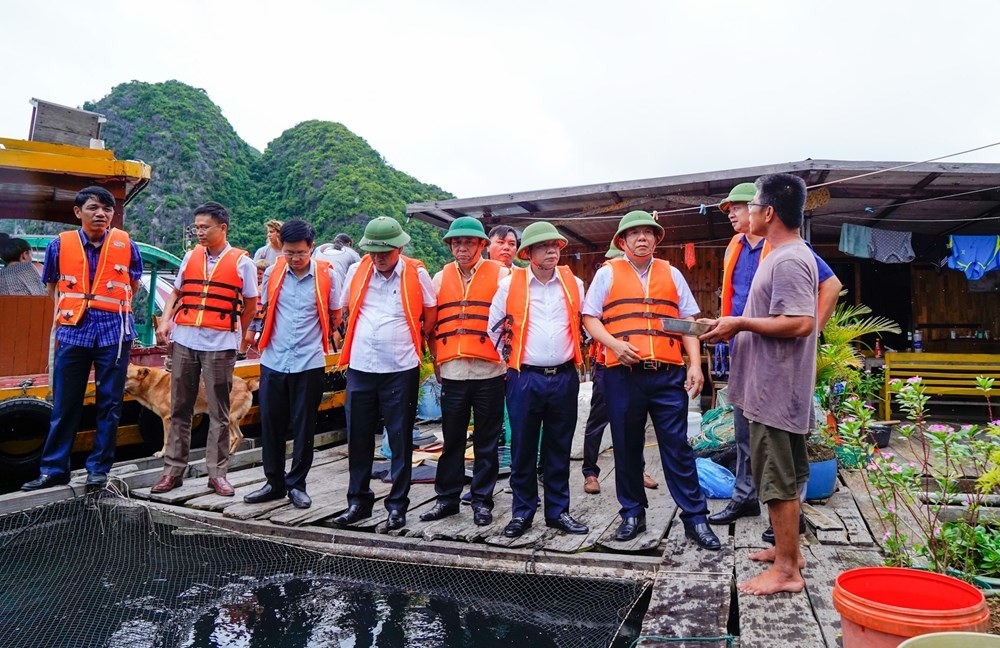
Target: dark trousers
point(391, 398)
point(632, 394)
point(188, 367)
point(69, 384)
point(743, 489)
point(484, 400)
point(597, 420)
point(533, 401)
point(289, 405)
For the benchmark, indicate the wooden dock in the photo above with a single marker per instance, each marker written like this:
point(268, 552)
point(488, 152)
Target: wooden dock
point(692, 590)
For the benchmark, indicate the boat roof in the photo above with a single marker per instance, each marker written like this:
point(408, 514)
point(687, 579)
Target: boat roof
point(39, 180)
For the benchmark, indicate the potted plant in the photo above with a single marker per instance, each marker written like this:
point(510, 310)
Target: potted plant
point(840, 371)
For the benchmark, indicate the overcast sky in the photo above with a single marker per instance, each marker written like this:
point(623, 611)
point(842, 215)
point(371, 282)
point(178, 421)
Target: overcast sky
point(488, 98)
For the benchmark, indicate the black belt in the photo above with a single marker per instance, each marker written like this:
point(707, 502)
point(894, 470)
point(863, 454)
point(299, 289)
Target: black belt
point(549, 371)
point(651, 365)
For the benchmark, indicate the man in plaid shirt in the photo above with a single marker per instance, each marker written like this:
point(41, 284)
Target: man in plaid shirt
point(92, 274)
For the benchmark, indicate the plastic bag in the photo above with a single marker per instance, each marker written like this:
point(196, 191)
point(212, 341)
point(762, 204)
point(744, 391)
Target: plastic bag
point(715, 480)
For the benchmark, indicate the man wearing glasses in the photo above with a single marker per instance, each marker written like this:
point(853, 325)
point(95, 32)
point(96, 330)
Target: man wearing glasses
point(535, 319)
point(390, 302)
point(300, 298)
point(471, 372)
point(777, 334)
point(213, 303)
point(743, 255)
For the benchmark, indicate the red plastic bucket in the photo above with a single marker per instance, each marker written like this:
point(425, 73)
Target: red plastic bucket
point(881, 606)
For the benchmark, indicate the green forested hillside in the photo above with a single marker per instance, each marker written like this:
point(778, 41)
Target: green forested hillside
point(194, 151)
point(319, 171)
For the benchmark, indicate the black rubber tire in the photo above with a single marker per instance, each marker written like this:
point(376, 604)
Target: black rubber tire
point(151, 429)
point(24, 424)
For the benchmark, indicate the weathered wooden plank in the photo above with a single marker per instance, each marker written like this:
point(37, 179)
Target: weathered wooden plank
point(460, 526)
point(827, 529)
point(598, 511)
point(659, 513)
point(845, 508)
point(823, 565)
point(693, 589)
point(421, 498)
point(783, 619)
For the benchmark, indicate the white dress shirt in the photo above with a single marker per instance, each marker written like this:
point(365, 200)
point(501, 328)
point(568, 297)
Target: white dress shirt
point(382, 341)
point(202, 338)
point(548, 340)
point(601, 286)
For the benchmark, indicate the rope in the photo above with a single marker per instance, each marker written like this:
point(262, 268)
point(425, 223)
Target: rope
point(729, 639)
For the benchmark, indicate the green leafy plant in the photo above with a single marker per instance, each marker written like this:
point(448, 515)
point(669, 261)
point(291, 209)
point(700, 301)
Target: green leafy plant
point(912, 497)
point(839, 364)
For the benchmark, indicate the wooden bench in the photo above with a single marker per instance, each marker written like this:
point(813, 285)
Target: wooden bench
point(943, 374)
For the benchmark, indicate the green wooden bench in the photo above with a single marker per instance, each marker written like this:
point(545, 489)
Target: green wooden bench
point(943, 374)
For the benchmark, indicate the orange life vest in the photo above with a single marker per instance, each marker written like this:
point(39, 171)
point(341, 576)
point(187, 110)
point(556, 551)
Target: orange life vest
point(463, 312)
point(111, 289)
point(632, 312)
point(516, 321)
point(410, 292)
point(211, 299)
point(729, 264)
point(321, 287)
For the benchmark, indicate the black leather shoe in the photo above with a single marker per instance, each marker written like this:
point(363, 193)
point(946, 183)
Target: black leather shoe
point(397, 520)
point(734, 511)
point(265, 493)
point(440, 510)
point(45, 481)
point(630, 528)
point(768, 535)
point(354, 513)
point(516, 527)
point(299, 498)
point(482, 516)
point(97, 480)
point(565, 522)
point(703, 535)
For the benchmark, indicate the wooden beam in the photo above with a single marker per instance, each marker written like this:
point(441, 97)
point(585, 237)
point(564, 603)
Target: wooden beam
point(914, 192)
point(565, 231)
point(993, 211)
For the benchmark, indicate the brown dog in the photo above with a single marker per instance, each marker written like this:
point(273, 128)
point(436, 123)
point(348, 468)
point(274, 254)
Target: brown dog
point(150, 386)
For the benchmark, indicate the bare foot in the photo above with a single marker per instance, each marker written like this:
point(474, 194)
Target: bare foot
point(773, 581)
point(767, 555)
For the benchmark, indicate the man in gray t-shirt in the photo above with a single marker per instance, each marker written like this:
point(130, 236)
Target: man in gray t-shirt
point(774, 371)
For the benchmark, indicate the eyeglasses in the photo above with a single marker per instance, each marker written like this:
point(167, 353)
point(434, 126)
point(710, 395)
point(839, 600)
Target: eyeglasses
point(753, 204)
point(295, 255)
point(203, 228)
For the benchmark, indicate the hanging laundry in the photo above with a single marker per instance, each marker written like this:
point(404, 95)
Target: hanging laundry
point(974, 255)
point(855, 239)
point(891, 247)
point(689, 259)
point(932, 248)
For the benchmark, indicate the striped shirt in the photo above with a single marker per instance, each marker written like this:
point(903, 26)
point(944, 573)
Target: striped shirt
point(97, 328)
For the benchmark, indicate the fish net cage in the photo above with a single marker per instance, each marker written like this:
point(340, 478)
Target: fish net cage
point(106, 570)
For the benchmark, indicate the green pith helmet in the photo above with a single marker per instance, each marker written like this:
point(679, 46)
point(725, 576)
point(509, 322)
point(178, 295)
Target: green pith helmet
point(465, 226)
point(383, 234)
point(539, 233)
point(613, 252)
point(638, 218)
point(743, 192)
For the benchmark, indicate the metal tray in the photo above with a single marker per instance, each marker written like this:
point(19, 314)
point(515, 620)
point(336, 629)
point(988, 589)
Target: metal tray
point(684, 327)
